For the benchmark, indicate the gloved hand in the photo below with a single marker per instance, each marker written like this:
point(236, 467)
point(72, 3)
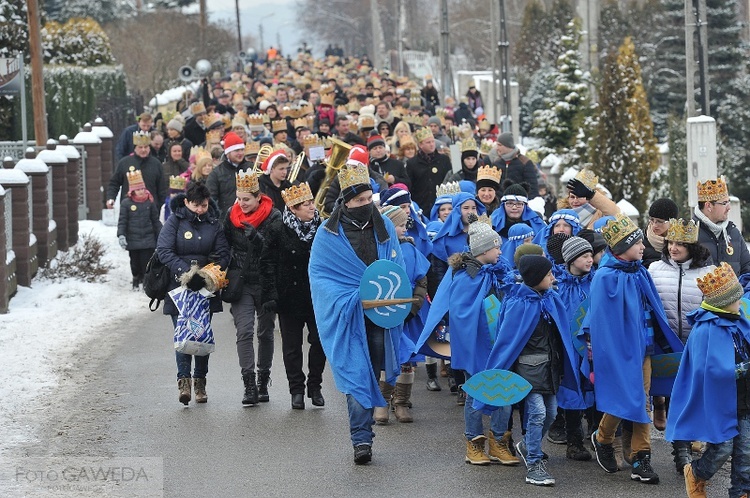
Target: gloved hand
point(269, 306)
point(196, 283)
point(577, 188)
point(123, 241)
point(250, 231)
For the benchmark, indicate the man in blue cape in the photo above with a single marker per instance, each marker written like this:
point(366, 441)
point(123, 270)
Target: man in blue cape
point(354, 237)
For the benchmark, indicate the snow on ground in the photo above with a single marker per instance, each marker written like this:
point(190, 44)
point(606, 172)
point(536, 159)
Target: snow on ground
point(47, 323)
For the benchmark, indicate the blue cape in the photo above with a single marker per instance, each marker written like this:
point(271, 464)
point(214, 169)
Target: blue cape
point(419, 233)
point(335, 272)
point(616, 325)
point(464, 296)
point(516, 235)
point(528, 216)
point(416, 267)
point(704, 398)
point(451, 237)
point(443, 199)
point(568, 216)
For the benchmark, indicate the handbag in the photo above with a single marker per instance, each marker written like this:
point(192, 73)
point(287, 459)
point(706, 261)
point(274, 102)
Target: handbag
point(233, 291)
point(156, 281)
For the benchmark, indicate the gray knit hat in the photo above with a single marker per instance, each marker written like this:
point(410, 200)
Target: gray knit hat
point(482, 237)
point(506, 139)
point(575, 247)
point(175, 124)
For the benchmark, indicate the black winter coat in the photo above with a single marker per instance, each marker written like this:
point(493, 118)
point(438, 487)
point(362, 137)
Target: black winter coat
point(172, 168)
point(194, 131)
point(283, 265)
point(272, 191)
point(426, 173)
point(739, 260)
point(222, 183)
point(185, 238)
point(243, 248)
point(153, 177)
point(392, 166)
point(520, 169)
point(139, 223)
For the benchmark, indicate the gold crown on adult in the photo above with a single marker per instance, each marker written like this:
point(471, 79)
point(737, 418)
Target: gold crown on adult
point(278, 125)
point(720, 282)
point(469, 144)
point(353, 175)
point(415, 101)
point(199, 153)
point(366, 122)
point(238, 122)
point(297, 194)
point(423, 134)
point(211, 119)
point(217, 277)
point(489, 173)
point(682, 231)
point(486, 146)
point(713, 190)
point(247, 182)
point(197, 108)
point(306, 110)
point(141, 138)
point(588, 178)
point(252, 148)
point(255, 120)
point(214, 136)
point(135, 180)
point(177, 182)
point(311, 141)
point(300, 123)
point(615, 231)
point(449, 188)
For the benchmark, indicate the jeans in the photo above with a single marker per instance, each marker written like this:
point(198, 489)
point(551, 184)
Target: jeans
point(360, 418)
point(716, 455)
point(541, 410)
point(243, 312)
point(184, 362)
point(138, 260)
point(292, 339)
point(473, 421)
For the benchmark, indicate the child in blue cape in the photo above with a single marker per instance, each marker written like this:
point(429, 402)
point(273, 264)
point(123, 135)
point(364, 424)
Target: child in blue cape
point(519, 234)
point(562, 221)
point(626, 325)
point(533, 340)
point(711, 396)
point(554, 252)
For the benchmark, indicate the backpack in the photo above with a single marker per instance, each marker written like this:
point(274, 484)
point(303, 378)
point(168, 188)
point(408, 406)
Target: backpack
point(156, 281)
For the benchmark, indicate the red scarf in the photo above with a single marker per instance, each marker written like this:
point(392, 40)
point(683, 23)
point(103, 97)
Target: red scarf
point(237, 217)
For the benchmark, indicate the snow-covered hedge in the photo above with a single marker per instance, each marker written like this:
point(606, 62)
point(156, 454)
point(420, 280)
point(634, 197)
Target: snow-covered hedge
point(81, 42)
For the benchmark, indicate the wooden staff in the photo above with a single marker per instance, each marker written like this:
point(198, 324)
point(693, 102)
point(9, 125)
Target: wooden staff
point(378, 303)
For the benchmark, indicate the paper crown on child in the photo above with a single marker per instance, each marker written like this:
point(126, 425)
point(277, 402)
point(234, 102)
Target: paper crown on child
point(485, 146)
point(682, 231)
point(247, 182)
point(713, 190)
point(177, 183)
point(720, 287)
point(449, 188)
point(135, 180)
point(621, 233)
point(489, 173)
point(423, 134)
point(141, 138)
point(353, 175)
point(278, 125)
point(297, 194)
point(468, 145)
point(327, 98)
point(588, 178)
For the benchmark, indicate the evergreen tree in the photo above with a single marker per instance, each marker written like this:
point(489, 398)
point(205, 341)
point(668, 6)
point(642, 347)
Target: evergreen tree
point(529, 52)
point(542, 82)
point(670, 180)
point(624, 152)
point(13, 28)
point(725, 52)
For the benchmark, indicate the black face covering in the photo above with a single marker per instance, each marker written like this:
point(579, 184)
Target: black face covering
point(360, 214)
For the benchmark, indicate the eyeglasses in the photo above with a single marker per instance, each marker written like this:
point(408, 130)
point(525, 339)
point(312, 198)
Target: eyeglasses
point(657, 221)
point(720, 203)
point(512, 204)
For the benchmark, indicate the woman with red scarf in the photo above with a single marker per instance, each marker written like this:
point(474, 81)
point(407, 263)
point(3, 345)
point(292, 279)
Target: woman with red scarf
point(246, 224)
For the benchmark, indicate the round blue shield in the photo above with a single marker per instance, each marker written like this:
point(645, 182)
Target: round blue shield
point(385, 280)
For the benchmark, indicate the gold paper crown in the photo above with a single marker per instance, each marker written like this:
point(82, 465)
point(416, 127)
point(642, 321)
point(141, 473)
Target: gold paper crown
point(327, 98)
point(326, 89)
point(177, 182)
point(618, 229)
point(217, 277)
point(588, 178)
point(297, 194)
point(415, 101)
point(141, 138)
point(353, 106)
point(247, 182)
point(288, 112)
point(485, 219)
point(278, 125)
point(226, 119)
point(485, 147)
point(353, 175)
point(311, 141)
point(468, 144)
point(366, 121)
point(255, 120)
point(720, 281)
point(484, 126)
point(412, 119)
point(449, 188)
point(210, 120)
point(681, 231)
point(135, 179)
point(489, 173)
point(423, 134)
point(238, 122)
point(197, 108)
point(252, 148)
point(214, 136)
point(300, 123)
point(306, 110)
point(199, 153)
point(713, 190)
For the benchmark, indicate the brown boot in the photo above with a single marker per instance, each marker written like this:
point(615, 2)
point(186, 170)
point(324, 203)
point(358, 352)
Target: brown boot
point(499, 450)
point(402, 403)
point(185, 389)
point(660, 413)
point(475, 454)
point(381, 414)
point(200, 390)
point(696, 488)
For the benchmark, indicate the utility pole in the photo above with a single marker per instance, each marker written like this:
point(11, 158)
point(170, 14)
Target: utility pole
point(695, 10)
point(503, 46)
point(493, 62)
point(37, 72)
point(239, 30)
point(202, 7)
point(446, 79)
point(400, 35)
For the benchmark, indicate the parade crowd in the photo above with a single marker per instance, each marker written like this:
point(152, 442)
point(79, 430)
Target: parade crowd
point(290, 180)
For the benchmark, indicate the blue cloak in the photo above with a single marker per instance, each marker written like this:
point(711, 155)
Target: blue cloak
point(443, 199)
point(528, 216)
point(516, 235)
point(704, 398)
point(416, 267)
point(419, 233)
point(335, 273)
point(451, 237)
point(568, 216)
point(616, 324)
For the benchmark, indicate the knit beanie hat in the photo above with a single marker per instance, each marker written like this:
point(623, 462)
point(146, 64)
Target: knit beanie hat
point(396, 214)
point(515, 192)
point(376, 140)
point(176, 125)
point(434, 120)
point(395, 197)
point(664, 209)
point(554, 247)
point(533, 269)
point(525, 249)
point(482, 237)
point(506, 139)
point(594, 238)
point(575, 247)
point(720, 287)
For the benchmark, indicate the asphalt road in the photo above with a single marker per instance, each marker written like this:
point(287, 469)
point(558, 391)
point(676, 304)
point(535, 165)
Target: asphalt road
point(119, 399)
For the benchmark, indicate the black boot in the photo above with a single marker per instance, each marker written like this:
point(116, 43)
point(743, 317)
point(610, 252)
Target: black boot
point(682, 455)
point(251, 390)
point(264, 378)
point(432, 379)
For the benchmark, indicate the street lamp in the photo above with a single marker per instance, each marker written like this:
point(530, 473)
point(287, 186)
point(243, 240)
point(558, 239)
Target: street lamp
point(260, 32)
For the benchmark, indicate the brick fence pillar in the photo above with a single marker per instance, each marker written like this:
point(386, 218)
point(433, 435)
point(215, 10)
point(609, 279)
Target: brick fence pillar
point(43, 230)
